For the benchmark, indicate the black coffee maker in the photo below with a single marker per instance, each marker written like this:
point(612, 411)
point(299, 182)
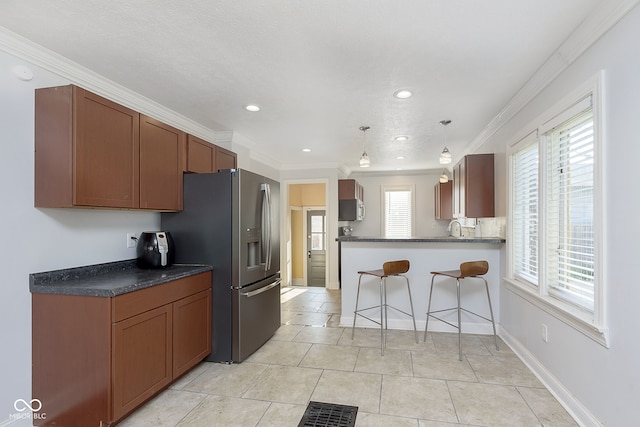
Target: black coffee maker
point(155, 249)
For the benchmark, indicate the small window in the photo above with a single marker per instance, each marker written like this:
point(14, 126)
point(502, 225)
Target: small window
point(397, 214)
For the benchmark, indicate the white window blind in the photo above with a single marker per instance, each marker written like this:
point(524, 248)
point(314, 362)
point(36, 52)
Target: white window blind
point(398, 213)
point(570, 211)
point(525, 231)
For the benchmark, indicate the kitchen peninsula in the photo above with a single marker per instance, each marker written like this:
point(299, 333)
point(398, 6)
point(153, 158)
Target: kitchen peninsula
point(425, 254)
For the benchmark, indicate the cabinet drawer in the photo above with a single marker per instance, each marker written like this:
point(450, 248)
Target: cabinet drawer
point(128, 305)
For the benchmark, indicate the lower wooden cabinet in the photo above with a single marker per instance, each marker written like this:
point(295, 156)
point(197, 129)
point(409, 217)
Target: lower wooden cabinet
point(96, 359)
point(142, 358)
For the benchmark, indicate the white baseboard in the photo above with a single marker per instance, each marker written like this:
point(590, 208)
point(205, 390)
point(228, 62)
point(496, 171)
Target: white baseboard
point(574, 407)
point(297, 282)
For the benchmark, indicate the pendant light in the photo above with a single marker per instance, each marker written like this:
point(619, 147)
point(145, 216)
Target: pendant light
point(364, 159)
point(445, 156)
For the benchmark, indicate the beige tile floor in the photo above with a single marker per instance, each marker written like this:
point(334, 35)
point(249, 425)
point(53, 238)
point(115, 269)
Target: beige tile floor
point(311, 358)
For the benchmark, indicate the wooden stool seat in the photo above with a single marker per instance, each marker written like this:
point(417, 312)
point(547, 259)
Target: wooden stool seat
point(389, 269)
point(471, 269)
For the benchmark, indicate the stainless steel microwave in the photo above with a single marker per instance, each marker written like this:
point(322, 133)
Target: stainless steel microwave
point(351, 210)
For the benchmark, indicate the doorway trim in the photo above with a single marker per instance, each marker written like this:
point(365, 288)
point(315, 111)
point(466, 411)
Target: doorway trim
point(286, 225)
point(305, 248)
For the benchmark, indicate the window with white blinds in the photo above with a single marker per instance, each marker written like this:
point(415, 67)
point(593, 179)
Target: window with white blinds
point(524, 239)
point(569, 215)
point(397, 211)
point(556, 210)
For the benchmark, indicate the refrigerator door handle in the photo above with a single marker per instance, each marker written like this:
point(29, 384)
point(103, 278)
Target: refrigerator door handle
point(266, 223)
point(261, 290)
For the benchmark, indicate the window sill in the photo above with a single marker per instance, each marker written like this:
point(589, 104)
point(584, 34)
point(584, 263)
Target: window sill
point(565, 313)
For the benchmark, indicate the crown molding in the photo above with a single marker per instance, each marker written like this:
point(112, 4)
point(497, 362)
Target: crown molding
point(601, 19)
point(46, 59)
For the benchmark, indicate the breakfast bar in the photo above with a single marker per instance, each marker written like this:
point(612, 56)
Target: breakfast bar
point(425, 254)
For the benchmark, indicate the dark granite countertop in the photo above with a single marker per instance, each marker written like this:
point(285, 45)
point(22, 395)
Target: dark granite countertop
point(108, 280)
point(436, 239)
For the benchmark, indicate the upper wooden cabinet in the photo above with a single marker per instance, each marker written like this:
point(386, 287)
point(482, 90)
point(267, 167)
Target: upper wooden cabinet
point(225, 159)
point(200, 156)
point(86, 150)
point(161, 148)
point(350, 189)
point(443, 193)
point(204, 157)
point(92, 152)
point(473, 187)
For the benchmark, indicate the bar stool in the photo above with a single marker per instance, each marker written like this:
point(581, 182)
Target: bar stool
point(389, 269)
point(472, 269)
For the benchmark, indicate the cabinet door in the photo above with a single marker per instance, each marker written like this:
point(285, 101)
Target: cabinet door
point(106, 147)
point(443, 200)
point(191, 331)
point(142, 358)
point(479, 186)
point(347, 189)
point(224, 159)
point(161, 148)
point(200, 156)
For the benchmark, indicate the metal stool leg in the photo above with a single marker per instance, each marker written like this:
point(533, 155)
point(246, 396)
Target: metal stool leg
point(353, 329)
point(493, 323)
point(459, 323)
point(383, 313)
point(413, 317)
point(426, 326)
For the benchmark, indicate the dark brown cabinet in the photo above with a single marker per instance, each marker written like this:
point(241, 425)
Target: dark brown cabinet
point(92, 152)
point(350, 189)
point(443, 193)
point(96, 359)
point(473, 187)
point(204, 157)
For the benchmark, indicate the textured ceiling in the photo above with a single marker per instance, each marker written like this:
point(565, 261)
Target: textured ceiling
point(318, 68)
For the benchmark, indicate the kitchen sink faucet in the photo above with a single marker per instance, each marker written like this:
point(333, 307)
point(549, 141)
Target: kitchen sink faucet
point(459, 227)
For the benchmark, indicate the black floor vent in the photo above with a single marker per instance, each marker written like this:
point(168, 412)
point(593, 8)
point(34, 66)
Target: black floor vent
point(320, 414)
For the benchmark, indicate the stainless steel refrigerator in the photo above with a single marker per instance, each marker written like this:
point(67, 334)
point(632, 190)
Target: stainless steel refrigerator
point(231, 221)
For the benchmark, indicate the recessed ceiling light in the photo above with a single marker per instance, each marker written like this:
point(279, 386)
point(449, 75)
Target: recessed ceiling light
point(306, 150)
point(252, 107)
point(400, 158)
point(402, 94)
point(401, 138)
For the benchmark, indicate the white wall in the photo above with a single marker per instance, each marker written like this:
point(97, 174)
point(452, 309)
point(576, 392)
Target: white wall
point(425, 222)
point(40, 239)
point(599, 384)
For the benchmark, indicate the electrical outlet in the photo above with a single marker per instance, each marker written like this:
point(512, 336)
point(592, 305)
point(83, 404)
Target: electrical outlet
point(544, 333)
point(132, 240)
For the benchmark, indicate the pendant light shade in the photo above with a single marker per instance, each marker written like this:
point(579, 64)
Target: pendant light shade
point(445, 156)
point(364, 159)
point(444, 178)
